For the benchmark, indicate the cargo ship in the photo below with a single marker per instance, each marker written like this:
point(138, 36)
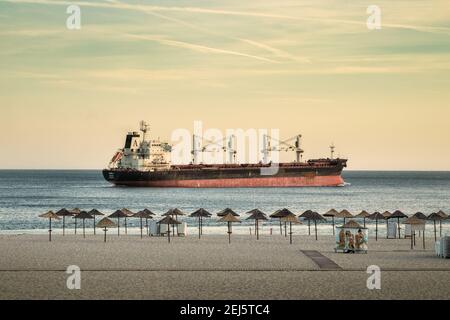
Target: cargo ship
point(144, 162)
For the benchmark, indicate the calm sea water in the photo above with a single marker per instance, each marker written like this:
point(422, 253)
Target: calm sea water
point(24, 194)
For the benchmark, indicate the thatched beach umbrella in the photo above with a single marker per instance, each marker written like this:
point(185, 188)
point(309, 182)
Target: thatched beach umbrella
point(94, 213)
point(118, 214)
point(291, 219)
point(414, 221)
point(331, 213)
point(142, 215)
point(74, 212)
point(442, 214)
point(312, 216)
point(363, 214)
point(257, 215)
point(436, 217)
point(64, 213)
point(397, 214)
point(128, 213)
point(174, 213)
point(376, 216)
point(280, 214)
point(151, 214)
point(83, 215)
point(169, 221)
point(106, 223)
point(200, 214)
point(229, 219)
point(49, 215)
point(344, 214)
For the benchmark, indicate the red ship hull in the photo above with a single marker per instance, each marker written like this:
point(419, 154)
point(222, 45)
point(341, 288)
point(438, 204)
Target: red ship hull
point(317, 181)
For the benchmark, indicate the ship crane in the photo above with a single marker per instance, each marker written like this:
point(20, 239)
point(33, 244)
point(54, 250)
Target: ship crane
point(284, 145)
point(226, 146)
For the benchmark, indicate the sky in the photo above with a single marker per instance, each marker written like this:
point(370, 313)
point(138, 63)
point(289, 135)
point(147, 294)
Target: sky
point(68, 97)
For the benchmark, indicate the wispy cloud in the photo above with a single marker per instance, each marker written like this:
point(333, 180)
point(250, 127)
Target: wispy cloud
point(196, 47)
point(152, 8)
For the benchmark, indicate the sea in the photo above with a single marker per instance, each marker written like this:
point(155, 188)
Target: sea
point(25, 194)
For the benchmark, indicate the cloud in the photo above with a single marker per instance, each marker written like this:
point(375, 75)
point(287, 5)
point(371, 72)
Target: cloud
point(197, 47)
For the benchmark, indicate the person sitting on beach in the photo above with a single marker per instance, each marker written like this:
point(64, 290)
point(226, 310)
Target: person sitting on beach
point(351, 242)
point(360, 240)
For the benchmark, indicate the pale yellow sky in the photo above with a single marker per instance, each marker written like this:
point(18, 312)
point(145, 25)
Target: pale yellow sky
point(311, 67)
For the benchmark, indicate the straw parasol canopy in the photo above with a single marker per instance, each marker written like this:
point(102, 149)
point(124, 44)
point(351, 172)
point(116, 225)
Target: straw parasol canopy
point(118, 214)
point(280, 213)
point(436, 217)
point(397, 214)
point(331, 213)
point(169, 221)
point(415, 221)
point(226, 211)
point(64, 213)
point(376, 216)
point(344, 214)
point(49, 215)
point(442, 214)
point(363, 214)
point(106, 223)
point(256, 215)
point(352, 224)
point(142, 215)
point(291, 219)
point(83, 215)
point(200, 214)
point(312, 216)
point(229, 218)
point(419, 215)
point(386, 214)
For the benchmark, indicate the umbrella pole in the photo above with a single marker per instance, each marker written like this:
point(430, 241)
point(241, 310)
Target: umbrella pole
point(146, 226)
point(414, 234)
point(309, 227)
point(126, 228)
point(229, 232)
point(281, 228)
point(332, 218)
point(285, 229)
point(364, 222)
point(168, 232)
point(64, 225)
point(440, 228)
point(257, 230)
point(84, 234)
point(398, 226)
point(423, 237)
point(435, 239)
point(50, 229)
point(199, 231)
point(141, 227)
point(118, 226)
point(94, 225)
point(290, 232)
point(315, 228)
point(75, 225)
point(201, 225)
point(376, 230)
point(411, 241)
point(176, 218)
point(105, 233)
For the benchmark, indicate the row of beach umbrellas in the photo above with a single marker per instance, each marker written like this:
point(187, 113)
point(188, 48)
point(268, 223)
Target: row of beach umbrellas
point(229, 216)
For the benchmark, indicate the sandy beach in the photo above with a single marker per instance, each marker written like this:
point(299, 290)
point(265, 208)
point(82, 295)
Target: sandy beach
point(128, 267)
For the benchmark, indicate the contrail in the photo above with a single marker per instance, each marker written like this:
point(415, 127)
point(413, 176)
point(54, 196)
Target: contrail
point(144, 8)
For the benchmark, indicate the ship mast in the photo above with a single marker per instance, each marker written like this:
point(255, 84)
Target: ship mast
point(284, 145)
point(332, 150)
point(144, 128)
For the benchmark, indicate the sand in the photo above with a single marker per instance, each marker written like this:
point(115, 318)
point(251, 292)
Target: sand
point(128, 267)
